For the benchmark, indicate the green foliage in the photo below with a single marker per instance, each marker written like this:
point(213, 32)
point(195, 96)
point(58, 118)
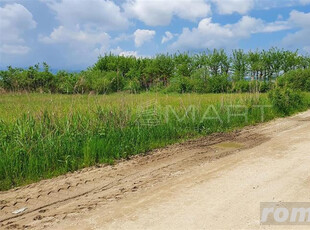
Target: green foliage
point(242, 86)
point(211, 71)
point(296, 79)
point(287, 101)
point(180, 85)
point(199, 85)
point(133, 86)
point(102, 85)
point(184, 64)
point(239, 65)
point(43, 144)
point(65, 82)
point(44, 135)
point(218, 84)
point(265, 87)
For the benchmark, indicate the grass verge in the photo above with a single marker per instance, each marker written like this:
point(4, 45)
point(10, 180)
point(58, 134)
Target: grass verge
point(50, 135)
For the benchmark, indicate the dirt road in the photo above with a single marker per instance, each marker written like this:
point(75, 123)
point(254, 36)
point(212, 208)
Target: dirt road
point(215, 182)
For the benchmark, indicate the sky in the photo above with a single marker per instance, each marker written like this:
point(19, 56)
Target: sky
point(71, 34)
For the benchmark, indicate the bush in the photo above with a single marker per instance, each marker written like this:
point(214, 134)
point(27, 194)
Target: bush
point(242, 86)
point(101, 85)
point(287, 101)
point(180, 85)
point(65, 82)
point(296, 79)
point(101, 82)
point(218, 84)
point(265, 86)
point(199, 85)
point(133, 86)
point(116, 81)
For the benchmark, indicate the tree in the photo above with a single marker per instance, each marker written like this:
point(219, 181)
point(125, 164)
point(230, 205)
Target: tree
point(239, 65)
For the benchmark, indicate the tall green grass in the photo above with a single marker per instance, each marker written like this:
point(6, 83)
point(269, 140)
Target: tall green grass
point(42, 136)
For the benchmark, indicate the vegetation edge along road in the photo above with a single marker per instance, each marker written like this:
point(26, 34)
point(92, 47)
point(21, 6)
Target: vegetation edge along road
point(47, 143)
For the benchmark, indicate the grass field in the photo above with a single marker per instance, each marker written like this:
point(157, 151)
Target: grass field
point(44, 135)
point(12, 106)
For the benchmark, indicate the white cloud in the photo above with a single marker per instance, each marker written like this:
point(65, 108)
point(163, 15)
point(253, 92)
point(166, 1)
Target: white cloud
point(81, 47)
point(123, 37)
point(116, 51)
point(64, 35)
point(234, 6)
point(300, 19)
point(142, 36)
point(14, 49)
point(304, 2)
point(89, 14)
point(129, 54)
point(299, 39)
point(215, 35)
point(15, 21)
point(83, 27)
point(119, 51)
point(160, 12)
point(272, 26)
point(167, 37)
point(245, 6)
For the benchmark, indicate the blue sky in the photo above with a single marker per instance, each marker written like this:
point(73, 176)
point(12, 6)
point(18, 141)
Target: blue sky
point(71, 34)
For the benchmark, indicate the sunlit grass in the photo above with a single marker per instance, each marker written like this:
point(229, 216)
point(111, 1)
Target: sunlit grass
point(43, 135)
point(14, 105)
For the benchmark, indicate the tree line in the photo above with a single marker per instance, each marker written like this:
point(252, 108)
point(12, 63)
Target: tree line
point(213, 71)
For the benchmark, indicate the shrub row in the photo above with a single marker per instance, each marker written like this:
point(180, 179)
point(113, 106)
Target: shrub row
point(209, 72)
